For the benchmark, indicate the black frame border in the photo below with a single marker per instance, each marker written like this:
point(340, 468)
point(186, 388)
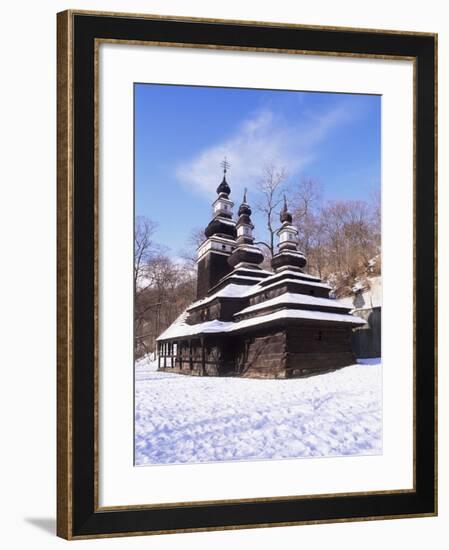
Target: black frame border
point(86, 520)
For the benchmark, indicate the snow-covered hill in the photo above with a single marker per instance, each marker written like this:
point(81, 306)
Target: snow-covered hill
point(182, 419)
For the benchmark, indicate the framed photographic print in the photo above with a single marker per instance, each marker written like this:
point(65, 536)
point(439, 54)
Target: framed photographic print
point(246, 274)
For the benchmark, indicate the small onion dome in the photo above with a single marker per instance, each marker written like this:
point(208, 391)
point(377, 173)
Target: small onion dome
point(244, 219)
point(244, 207)
point(288, 258)
point(224, 187)
point(246, 253)
point(285, 214)
point(220, 227)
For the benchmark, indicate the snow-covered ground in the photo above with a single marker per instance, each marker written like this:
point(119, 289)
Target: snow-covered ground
point(181, 419)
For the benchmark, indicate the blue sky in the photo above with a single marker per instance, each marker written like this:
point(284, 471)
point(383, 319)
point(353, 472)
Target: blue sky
point(183, 132)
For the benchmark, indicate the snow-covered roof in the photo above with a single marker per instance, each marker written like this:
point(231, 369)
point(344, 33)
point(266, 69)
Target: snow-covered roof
point(255, 275)
point(261, 288)
point(178, 322)
point(290, 252)
point(290, 298)
point(348, 301)
point(286, 270)
point(253, 270)
point(245, 277)
point(221, 219)
point(231, 290)
point(180, 328)
point(248, 248)
point(297, 314)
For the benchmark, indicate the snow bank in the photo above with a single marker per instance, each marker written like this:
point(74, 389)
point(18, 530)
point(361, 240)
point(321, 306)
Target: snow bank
point(184, 419)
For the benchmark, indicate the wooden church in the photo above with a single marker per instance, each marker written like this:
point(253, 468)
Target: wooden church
point(251, 322)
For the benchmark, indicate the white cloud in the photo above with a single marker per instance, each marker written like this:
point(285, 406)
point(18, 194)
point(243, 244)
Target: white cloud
point(265, 138)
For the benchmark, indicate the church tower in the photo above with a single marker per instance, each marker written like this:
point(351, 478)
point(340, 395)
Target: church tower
point(288, 257)
point(220, 242)
point(246, 254)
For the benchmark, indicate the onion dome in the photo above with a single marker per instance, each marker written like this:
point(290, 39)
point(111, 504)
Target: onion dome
point(224, 188)
point(288, 256)
point(244, 207)
point(244, 213)
point(222, 223)
point(220, 226)
point(285, 215)
point(246, 252)
point(291, 259)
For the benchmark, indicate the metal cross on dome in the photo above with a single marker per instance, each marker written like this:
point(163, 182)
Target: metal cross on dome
point(225, 165)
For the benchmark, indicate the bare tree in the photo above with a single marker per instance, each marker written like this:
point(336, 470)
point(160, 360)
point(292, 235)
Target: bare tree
point(305, 202)
point(163, 287)
point(189, 253)
point(270, 187)
point(144, 246)
point(170, 287)
point(305, 199)
point(376, 211)
point(349, 242)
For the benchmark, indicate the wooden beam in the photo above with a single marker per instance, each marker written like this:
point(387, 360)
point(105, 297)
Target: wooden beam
point(203, 357)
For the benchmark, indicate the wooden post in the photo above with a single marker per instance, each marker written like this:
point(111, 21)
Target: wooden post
point(158, 356)
point(165, 354)
point(190, 355)
point(203, 357)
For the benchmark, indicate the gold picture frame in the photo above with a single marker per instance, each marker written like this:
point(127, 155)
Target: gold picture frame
point(79, 35)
